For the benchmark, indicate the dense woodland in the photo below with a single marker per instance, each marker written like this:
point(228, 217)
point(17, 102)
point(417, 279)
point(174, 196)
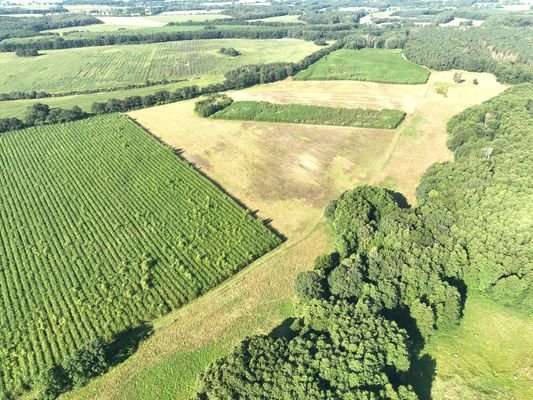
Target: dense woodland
point(399, 273)
point(17, 27)
point(503, 50)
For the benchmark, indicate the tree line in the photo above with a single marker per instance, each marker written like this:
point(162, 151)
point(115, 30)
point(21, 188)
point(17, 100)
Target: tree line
point(86, 39)
point(42, 94)
point(18, 27)
point(42, 114)
point(398, 274)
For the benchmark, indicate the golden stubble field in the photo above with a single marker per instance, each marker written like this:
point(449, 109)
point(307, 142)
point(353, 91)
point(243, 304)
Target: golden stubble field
point(287, 173)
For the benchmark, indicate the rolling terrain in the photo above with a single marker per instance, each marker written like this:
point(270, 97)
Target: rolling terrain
point(288, 173)
point(68, 70)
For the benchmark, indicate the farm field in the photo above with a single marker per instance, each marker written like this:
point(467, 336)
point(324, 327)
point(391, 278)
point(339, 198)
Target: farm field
point(151, 27)
point(142, 26)
point(116, 23)
point(281, 18)
point(17, 108)
point(186, 18)
point(115, 66)
point(109, 228)
point(288, 173)
point(377, 65)
point(310, 114)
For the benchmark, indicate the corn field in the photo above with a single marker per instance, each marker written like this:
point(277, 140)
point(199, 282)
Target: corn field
point(101, 228)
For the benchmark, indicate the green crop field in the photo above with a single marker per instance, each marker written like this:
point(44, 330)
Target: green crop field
point(309, 114)
point(103, 227)
point(376, 65)
point(113, 66)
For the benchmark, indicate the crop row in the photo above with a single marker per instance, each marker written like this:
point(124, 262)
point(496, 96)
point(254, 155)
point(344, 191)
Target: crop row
point(102, 227)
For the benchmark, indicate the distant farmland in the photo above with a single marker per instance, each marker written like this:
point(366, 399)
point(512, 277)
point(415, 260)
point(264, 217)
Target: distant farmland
point(374, 65)
point(68, 70)
point(103, 227)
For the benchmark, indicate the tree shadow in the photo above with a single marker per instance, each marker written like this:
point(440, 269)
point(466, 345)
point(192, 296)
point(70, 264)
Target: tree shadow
point(421, 376)
point(127, 343)
point(402, 317)
point(284, 330)
point(399, 198)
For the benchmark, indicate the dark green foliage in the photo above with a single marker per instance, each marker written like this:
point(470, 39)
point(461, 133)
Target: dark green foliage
point(41, 114)
point(357, 214)
point(486, 193)
point(504, 51)
point(10, 124)
point(88, 362)
point(342, 350)
point(230, 51)
point(310, 114)
point(50, 383)
point(12, 27)
point(27, 52)
point(212, 104)
point(37, 114)
point(309, 285)
point(346, 280)
point(325, 262)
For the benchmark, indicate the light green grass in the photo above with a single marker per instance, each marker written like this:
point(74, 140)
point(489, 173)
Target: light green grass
point(114, 66)
point(175, 377)
point(18, 108)
point(310, 114)
point(488, 357)
point(412, 129)
point(376, 65)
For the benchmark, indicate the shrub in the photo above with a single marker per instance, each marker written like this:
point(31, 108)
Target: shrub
point(212, 104)
point(230, 51)
point(88, 362)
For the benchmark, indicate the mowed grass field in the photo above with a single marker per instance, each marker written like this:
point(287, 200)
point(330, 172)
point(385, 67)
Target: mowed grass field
point(376, 65)
point(102, 228)
point(488, 357)
point(287, 173)
point(116, 66)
